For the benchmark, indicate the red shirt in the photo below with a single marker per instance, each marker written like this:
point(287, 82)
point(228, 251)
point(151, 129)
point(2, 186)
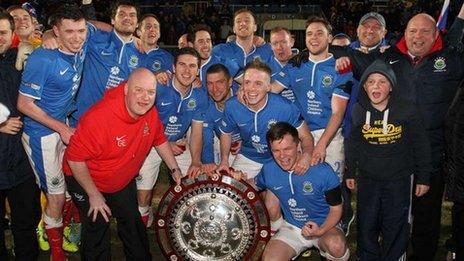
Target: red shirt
point(112, 143)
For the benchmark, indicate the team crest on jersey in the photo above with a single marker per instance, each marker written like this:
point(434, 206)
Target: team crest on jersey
point(291, 202)
point(192, 103)
point(156, 65)
point(327, 80)
point(311, 95)
point(271, 122)
point(114, 70)
point(146, 129)
point(282, 74)
point(439, 64)
point(173, 119)
point(307, 187)
point(133, 60)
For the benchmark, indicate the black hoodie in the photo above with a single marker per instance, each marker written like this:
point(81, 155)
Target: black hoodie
point(389, 144)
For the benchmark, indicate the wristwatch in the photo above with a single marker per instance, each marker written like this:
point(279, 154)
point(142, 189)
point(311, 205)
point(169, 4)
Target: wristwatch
point(174, 170)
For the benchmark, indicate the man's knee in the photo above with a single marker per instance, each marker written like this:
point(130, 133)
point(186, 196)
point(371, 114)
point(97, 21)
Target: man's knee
point(335, 245)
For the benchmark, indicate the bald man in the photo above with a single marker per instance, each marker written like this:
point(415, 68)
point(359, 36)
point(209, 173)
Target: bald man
point(103, 157)
point(430, 67)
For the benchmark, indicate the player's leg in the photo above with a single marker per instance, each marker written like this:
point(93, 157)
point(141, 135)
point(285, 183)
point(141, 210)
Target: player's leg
point(145, 181)
point(45, 155)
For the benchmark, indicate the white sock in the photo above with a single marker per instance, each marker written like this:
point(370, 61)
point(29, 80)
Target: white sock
point(52, 222)
point(144, 210)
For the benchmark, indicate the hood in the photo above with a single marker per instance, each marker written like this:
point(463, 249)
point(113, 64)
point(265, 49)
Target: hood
point(378, 66)
point(117, 104)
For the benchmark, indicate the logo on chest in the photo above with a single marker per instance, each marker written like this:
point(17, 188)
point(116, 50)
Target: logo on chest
point(439, 64)
point(121, 141)
point(327, 80)
point(133, 60)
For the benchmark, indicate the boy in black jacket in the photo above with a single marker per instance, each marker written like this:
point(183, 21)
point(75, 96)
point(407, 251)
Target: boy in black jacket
point(387, 145)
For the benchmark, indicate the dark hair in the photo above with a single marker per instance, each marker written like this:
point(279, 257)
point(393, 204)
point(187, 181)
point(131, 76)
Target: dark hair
point(117, 4)
point(244, 10)
point(258, 65)
point(279, 130)
point(9, 18)
point(318, 19)
point(145, 16)
point(217, 68)
point(186, 50)
point(191, 36)
point(67, 11)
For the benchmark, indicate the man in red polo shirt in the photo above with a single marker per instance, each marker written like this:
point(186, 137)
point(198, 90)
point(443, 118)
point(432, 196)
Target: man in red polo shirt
point(103, 157)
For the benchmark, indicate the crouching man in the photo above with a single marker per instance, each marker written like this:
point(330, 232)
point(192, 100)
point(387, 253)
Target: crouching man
point(311, 203)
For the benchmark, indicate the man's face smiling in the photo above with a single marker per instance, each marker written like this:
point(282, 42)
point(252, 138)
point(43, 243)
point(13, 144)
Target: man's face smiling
point(186, 70)
point(203, 44)
point(244, 25)
point(125, 20)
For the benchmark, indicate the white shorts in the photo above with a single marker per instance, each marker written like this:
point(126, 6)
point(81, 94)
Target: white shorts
point(45, 154)
point(291, 235)
point(250, 167)
point(335, 152)
point(149, 171)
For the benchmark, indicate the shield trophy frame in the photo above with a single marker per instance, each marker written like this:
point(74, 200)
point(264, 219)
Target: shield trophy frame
point(212, 217)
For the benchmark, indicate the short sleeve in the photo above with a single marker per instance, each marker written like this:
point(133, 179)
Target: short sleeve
point(228, 124)
point(35, 75)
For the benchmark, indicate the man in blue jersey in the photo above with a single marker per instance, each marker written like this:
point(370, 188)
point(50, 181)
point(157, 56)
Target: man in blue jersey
point(156, 59)
point(50, 81)
point(281, 43)
point(219, 84)
point(252, 120)
point(201, 39)
point(320, 94)
point(180, 107)
point(242, 50)
point(311, 203)
point(111, 57)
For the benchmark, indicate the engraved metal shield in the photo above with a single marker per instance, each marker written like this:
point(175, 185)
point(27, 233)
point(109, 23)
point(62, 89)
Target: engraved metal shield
point(212, 218)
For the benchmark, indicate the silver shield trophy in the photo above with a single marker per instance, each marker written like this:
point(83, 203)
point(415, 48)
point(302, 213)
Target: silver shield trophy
point(212, 218)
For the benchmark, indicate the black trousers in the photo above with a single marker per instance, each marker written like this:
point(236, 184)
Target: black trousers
point(96, 243)
point(24, 202)
point(458, 229)
point(383, 210)
point(426, 225)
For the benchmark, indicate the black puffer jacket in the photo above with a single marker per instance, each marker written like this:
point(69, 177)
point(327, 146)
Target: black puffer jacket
point(454, 136)
point(14, 165)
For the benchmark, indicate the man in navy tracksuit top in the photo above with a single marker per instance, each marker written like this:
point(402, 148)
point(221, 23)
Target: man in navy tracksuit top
point(387, 144)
